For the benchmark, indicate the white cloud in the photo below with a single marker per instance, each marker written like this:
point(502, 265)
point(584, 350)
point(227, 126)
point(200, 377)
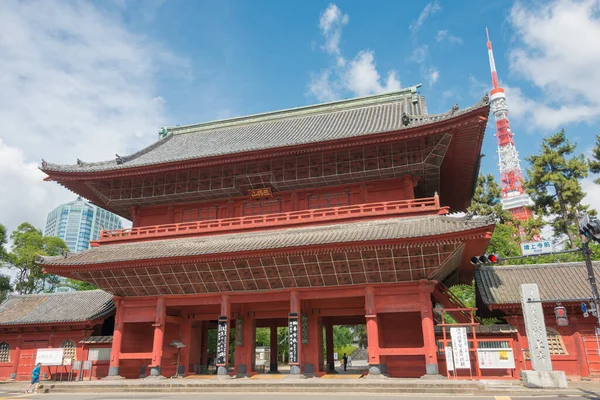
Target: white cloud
point(446, 35)
point(593, 193)
point(419, 54)
point(558, 54)
point(430, 9)
point(75, 84)
point(331, 22)
point(359, 77)
point(432, 76)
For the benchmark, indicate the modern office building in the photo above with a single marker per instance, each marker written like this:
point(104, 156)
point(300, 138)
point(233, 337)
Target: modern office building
point(78, 222)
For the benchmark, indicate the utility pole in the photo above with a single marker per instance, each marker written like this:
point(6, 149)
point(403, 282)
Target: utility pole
point(589, 229)
point(585, 250)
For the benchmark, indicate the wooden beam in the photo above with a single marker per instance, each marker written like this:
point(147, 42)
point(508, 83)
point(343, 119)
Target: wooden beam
point(172, 319)
point(193, 301)
point(414, 351)
point(269, 314)
point(135, 356)
point(205, 317)
point(331, 293)
point(341, 312)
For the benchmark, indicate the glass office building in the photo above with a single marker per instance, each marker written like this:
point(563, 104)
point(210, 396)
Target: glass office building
point(78, 222)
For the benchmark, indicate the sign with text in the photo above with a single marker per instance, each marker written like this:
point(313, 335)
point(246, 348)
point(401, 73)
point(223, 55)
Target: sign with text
point(260, 193)
point(293, 337)
point(460, 348)
point(49, 356)
point(222, 349)
point(449, 360)
point(532, 248)
point(496, 358)
point(535, 327)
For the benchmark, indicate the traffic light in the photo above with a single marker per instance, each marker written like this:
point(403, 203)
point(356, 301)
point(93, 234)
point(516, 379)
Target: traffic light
point(590, 228)
point(561, 316)
point(485, 259)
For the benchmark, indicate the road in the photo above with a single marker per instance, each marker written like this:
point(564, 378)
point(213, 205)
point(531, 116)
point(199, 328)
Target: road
point(266, 396)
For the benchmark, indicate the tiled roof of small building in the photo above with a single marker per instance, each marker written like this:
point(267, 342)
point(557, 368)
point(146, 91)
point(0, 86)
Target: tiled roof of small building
point(45, 308)
point(97, 340)
point(304, 125)
point(501, 284)
point(386, 229)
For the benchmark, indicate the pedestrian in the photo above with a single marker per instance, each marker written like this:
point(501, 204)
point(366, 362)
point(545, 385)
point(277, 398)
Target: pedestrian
point(349, 361)
point(345, 359)
point(35, 378)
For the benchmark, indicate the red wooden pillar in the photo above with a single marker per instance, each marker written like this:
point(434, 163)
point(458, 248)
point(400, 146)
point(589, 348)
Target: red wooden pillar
point(159, 337)
point(185, 333)
point(115, 352)
point(204, 344)
point(312, 342)
point(329, 345)
point(295, 314)
point(245, 340)
point(273, 366)
point(375, 366)
point(429, 345)
point(224, 319)
point(582, 362)
point(16, 357)
point(517, 346)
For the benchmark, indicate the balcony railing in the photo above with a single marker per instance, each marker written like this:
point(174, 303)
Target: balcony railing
point(429, 205)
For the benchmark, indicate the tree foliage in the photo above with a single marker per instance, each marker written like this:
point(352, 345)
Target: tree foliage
point(27, 244)
point(486, 199)
point(594, 162)
point(554, 185)
point(80, 285)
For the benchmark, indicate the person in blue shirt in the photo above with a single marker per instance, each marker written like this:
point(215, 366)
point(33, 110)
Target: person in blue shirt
point(35, 378)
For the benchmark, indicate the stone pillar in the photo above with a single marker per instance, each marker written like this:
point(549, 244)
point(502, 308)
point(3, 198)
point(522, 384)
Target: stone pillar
point(582, 363)
point(115, 352)
point(329, 346)
point(273, 366)
point(376, 368)
point(185, 333)
point(224, 321)
point(159, 337)
point(431, 363)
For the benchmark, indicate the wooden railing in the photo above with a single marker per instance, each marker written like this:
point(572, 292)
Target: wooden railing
point(429, 205)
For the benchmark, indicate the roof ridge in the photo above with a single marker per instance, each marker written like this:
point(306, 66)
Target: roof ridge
point(14, 296)
point(311, 109)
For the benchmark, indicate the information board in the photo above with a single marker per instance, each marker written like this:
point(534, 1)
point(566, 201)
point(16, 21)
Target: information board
point(222, 341)
point(460, 348)
point(293, 337)
point(449, 360)
point(49, 356)
point(496, 358)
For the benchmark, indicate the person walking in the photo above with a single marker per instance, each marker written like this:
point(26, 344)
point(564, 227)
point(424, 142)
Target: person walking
point(35, 378)
point(345, 359)
point(349, 361)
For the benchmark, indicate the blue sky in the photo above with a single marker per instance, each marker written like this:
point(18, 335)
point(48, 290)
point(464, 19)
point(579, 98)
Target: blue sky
point(88, 79)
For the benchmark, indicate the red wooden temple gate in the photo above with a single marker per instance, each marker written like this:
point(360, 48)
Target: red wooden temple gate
point(305, 218)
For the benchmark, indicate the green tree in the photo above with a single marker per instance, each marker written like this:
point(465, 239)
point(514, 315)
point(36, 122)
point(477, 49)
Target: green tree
point(486, 200)
point(505, 241)
point(80, 285)
point(27, 244)
point(594, 162)
point(5, 286)
point(554, 184)
point(263, 336)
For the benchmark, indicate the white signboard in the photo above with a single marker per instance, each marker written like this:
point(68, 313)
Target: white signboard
point(531, 248)
point(449, 360)
point(460, 348)
point(496, 358)
point(49, 356)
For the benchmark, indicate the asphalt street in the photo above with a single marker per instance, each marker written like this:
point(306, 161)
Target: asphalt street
point(268, 396)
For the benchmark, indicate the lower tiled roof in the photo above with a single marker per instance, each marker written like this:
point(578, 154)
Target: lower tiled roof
point(385, 229)
point(501, 284)
point(45, 308)
point(97, 340)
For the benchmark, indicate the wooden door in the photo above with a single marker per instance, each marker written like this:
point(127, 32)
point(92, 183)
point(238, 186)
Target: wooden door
point(592, 350)
point(27, 357)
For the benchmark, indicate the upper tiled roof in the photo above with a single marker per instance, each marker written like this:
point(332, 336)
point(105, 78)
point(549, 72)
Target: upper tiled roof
point(48, 308)
point(386, 229)
point(304, 125)
point(501, 284)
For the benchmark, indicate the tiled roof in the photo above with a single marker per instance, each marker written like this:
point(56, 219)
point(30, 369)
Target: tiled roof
point(97, 340)
point(304, 125)
point(501, 284)
point(386, 229)
point(47, 308)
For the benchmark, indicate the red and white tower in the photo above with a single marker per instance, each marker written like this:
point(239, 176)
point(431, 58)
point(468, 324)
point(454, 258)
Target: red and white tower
point(514, 197)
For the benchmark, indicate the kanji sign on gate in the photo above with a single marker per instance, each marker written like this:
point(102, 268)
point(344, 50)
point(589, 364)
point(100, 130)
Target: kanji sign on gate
point(222, 341)
point(293, 337)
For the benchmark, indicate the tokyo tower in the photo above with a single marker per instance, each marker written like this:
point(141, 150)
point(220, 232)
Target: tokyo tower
point(514, 197)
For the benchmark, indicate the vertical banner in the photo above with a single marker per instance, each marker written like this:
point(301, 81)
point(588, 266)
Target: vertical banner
point(222, 348)
point(304, 328)
point(449, 360)
point(460, 348)
point(293, 337)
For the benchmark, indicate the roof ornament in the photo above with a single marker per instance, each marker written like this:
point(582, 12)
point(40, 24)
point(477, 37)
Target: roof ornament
point(44, 164)
point(162, 132)
point(79, 162)
point(405, 119)
point(455, 108)
point(486, 98)
point(119, 159)
point(414, 93)
point(64, 253)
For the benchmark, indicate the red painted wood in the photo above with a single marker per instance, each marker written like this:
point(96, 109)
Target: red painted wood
point(185, 332)
point(117, 334)
point(159, 332)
